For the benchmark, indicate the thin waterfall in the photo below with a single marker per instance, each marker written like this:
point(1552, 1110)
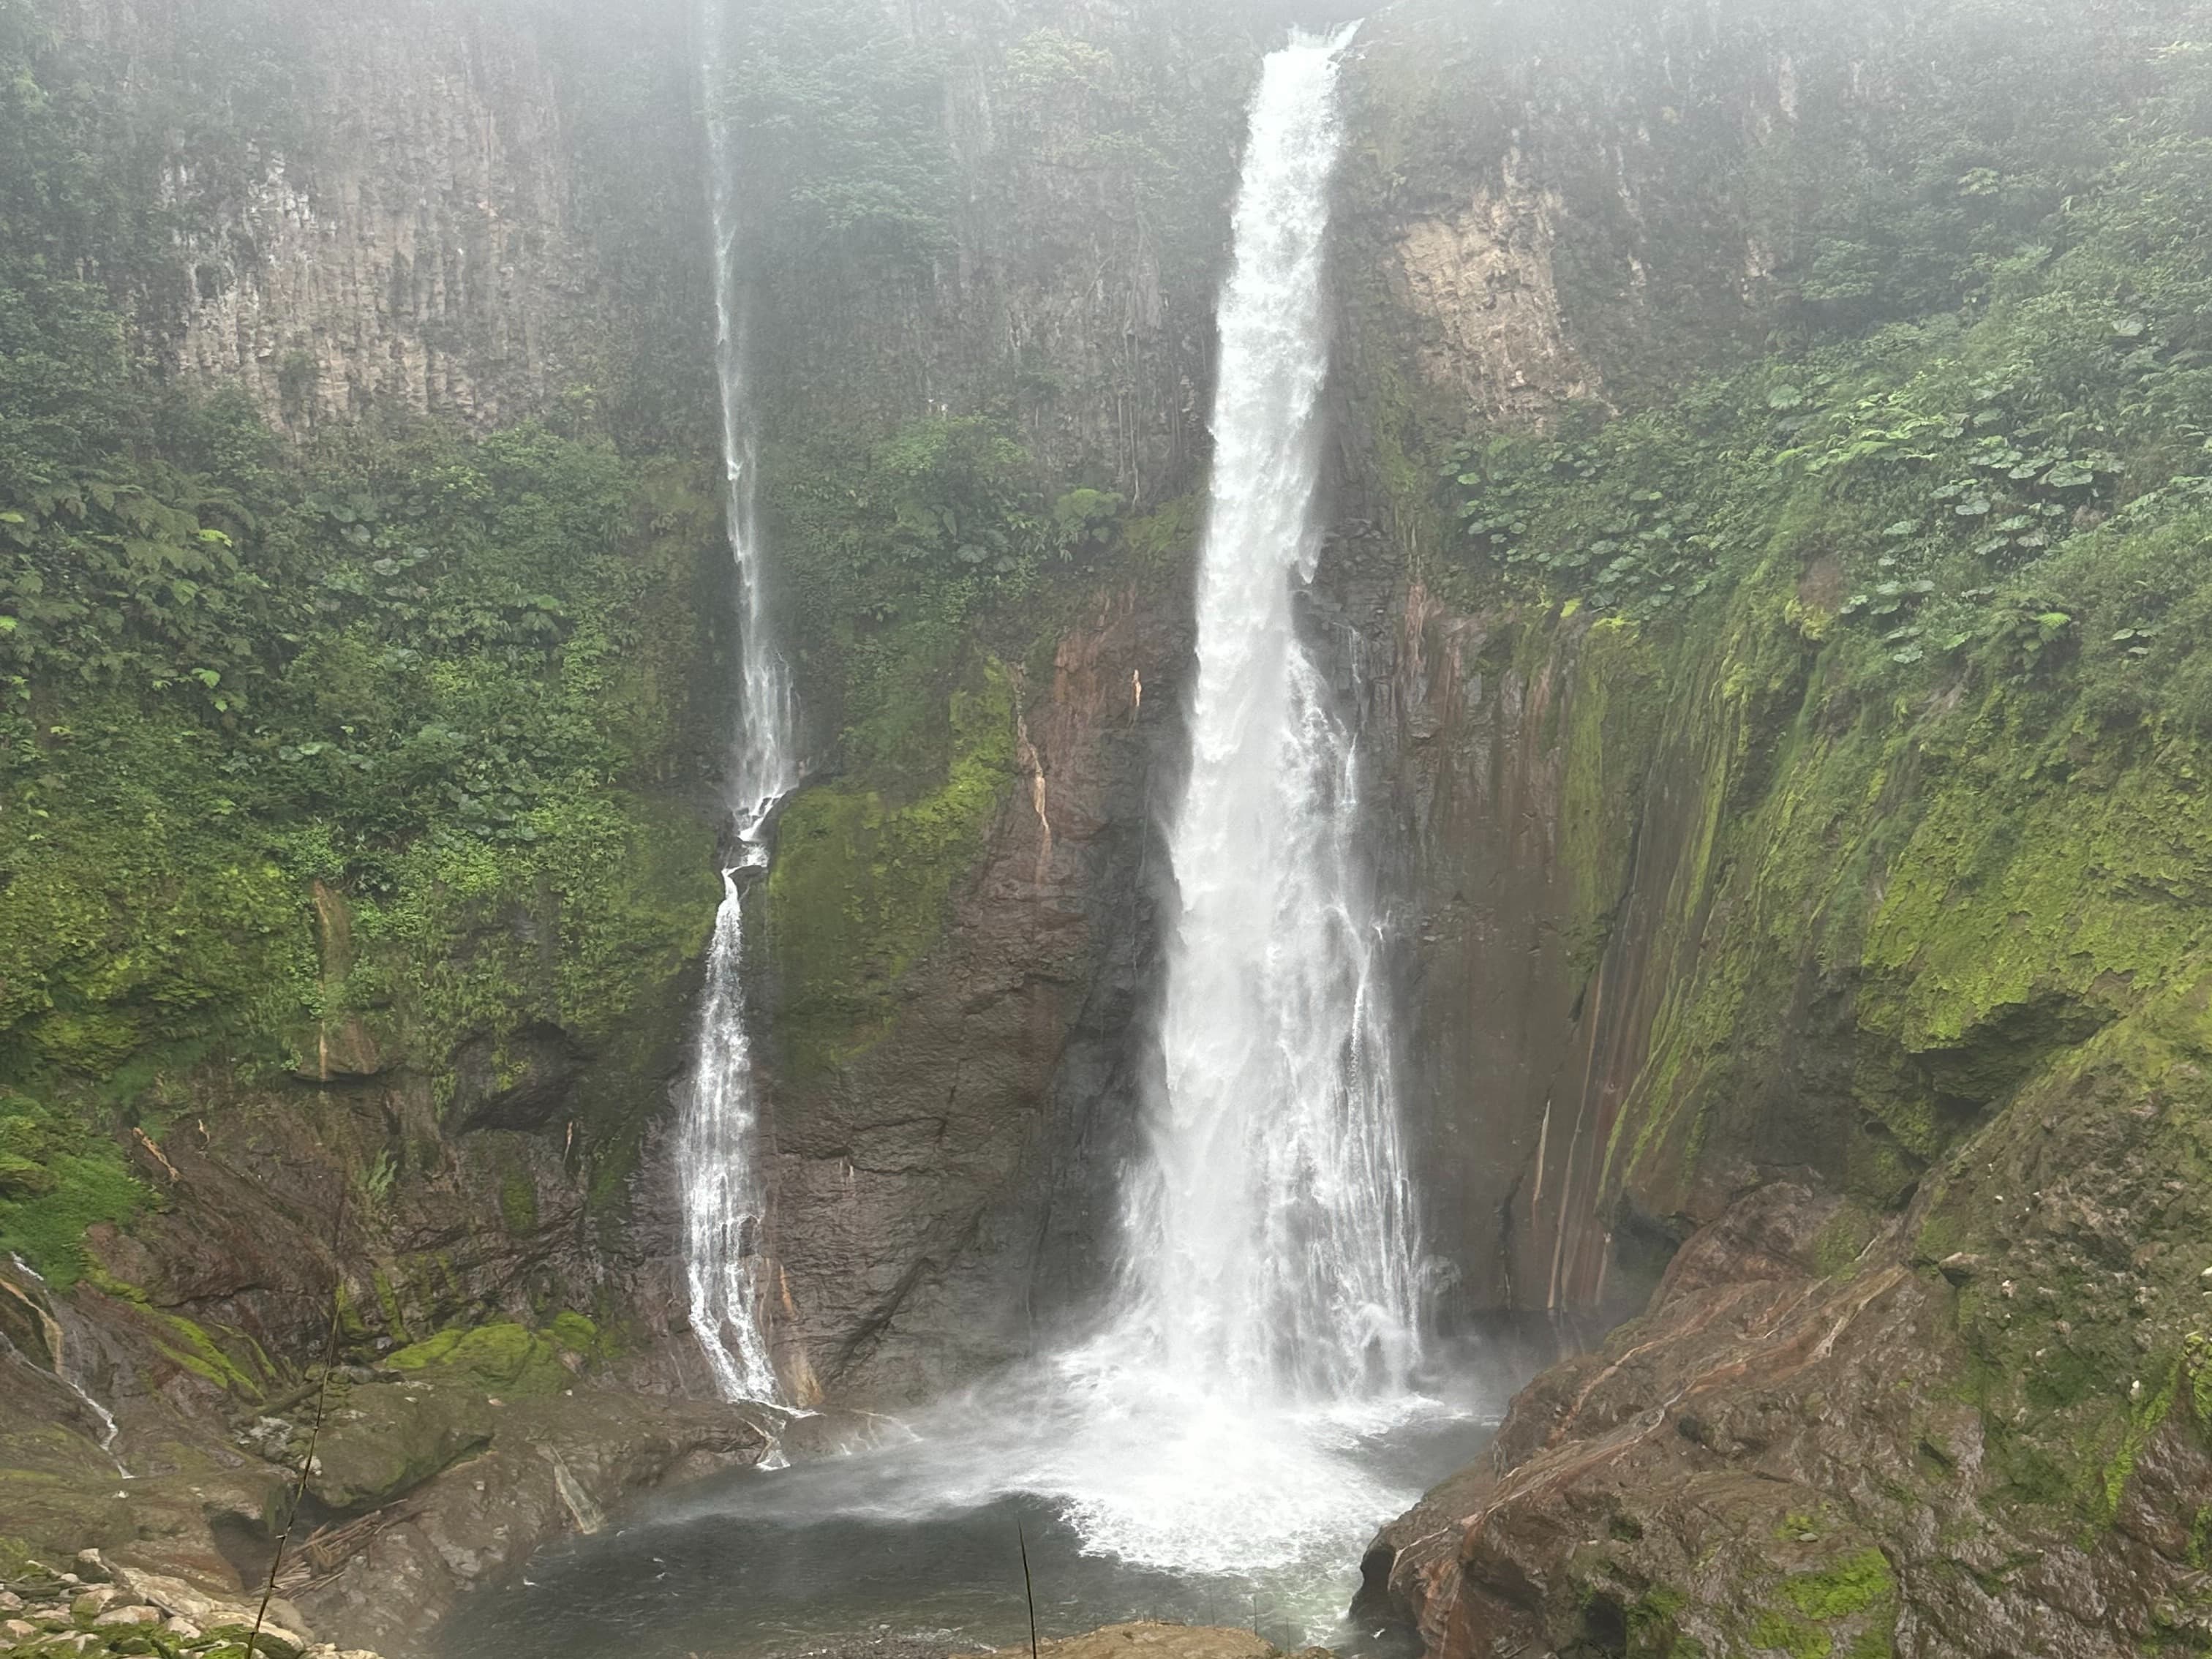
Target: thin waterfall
point(110, 1430)
point(725, 1197)
point(1271, 1233)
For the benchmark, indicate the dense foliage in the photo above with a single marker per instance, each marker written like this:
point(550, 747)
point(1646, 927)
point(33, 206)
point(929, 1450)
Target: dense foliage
point(427, 669)
point(837, 115)
point(2015, 470)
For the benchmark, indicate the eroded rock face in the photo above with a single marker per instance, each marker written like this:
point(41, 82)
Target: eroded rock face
point(1830, 1435)
point(946, 1182)
point(1480, 278)
point(416, 249)
point(430, 1477)
point(1516, 780)
point(552, 1467)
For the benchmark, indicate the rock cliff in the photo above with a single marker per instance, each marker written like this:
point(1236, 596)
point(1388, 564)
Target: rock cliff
point(1768, 877)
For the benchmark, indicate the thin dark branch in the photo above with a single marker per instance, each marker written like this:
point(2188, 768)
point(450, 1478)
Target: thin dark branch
point(314, 1428)
point(1029, 1589)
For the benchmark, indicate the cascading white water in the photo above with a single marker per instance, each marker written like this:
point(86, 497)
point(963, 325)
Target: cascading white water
point(725, 1198)
point(1266, 1320)
point(110, 1430)
point(1271, 1234)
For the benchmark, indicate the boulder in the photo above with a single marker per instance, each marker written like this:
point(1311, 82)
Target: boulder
point(389, 1437)
point(208, 1613)
point(128, 1615)
point(94, 1601)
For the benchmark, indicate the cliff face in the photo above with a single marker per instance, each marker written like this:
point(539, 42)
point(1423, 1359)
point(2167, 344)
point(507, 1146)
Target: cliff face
point(948, 1140)
point(473, 213)
point(393, 1007)
point(961, 917)
point(416, 253)
point(1774, 890)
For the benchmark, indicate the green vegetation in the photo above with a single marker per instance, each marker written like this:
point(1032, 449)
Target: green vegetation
point(509, 1360)
point(1843, 1592)
point(442, 661)
point(1924, 588)
point(860, 883)
point(893, 571)
point(1903, 595)
point(837, 115)
point(1996, 394)
point(437, 676)
point(57, 1178)
point(579, 1335)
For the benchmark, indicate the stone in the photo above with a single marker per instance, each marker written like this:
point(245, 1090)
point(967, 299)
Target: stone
point(130, 1615)
point(183, 1629)
point(10, 1601)
point(94, 1601)
point(179, 1599)
point(339, 1050)
point(273, 1642)
point(1962, 1267)
point(388, 1441)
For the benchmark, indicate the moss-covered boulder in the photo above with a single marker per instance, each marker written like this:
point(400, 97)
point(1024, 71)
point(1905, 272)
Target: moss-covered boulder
point(387, 1438)
point(508, 1360)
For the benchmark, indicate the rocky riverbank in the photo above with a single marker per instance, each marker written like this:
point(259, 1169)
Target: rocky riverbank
point(443, 1467)
point(94, 1607)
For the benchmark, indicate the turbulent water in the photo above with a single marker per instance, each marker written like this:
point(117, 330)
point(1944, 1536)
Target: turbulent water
point(910, 1547)
point(725, 1200)
point(1266, 1326)
point(1271, 1241)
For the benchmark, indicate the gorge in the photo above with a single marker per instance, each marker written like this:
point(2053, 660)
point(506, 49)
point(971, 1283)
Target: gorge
point(1104, 776)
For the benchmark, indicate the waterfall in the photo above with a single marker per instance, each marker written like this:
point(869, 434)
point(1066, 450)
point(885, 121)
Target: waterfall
point(1270, 1228)
point(110, 1430)
point(1263, 1332)
point(725, 1198)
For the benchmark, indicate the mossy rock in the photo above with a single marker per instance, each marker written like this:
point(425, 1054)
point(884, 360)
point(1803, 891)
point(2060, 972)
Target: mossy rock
point(862, 881)
point(389, 1438)
point(509, 1360)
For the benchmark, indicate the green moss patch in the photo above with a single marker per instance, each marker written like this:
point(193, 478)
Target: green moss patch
point(505, 1360)
point(59, 1177)
point(1843, 1592)
point(861, 883)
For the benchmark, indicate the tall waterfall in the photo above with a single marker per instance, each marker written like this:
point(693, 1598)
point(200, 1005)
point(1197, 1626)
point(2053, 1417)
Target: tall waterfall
point(1270, 1231)
point(725, 1199)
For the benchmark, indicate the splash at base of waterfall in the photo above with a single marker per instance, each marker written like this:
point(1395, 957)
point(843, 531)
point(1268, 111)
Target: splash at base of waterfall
point(1138, 1496)
point(1147, 1464)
